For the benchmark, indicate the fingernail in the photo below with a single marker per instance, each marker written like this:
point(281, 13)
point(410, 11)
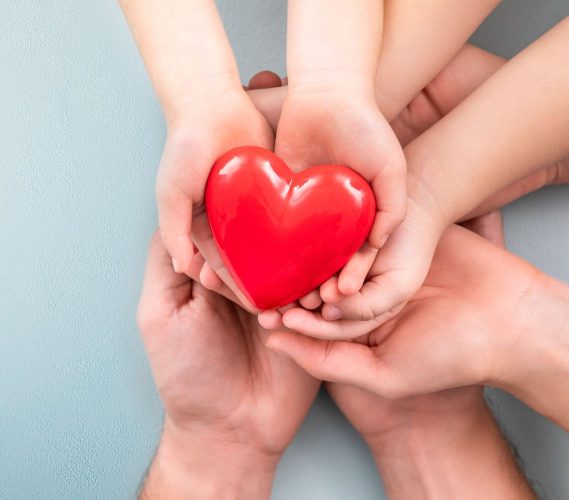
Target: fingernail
point(383, 241)
point(175, 265)
point(333, 313)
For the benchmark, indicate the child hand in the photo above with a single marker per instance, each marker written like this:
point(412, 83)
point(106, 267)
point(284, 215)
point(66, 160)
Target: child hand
point(222, 119)
point(403, 263)
point(344, 126)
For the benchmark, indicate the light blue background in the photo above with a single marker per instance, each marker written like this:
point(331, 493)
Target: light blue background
point(80, 138)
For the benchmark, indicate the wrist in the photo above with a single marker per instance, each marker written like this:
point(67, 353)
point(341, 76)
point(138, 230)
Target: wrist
point(533, 358)
point(332, 80)
point(426, 189)
point(428, 422)
point(208, 465)
point(186, 100)
point(444, 456)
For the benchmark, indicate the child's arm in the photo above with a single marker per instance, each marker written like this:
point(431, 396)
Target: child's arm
point(516, 122)
point(191, 65)
point(419, 40)
point(330, 114)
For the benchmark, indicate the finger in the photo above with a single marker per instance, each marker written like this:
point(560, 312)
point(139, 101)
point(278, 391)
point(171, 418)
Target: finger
point(311, 301)
point(209, 280)
point(264, 80)
point(314, 325)
point(467, 71)
point(389, 187)
point(161, 282)
point(270, 320)
point(175, 219)
point(342, 362)
point(376, 298)
point(354, 273)
point(208, 248)
point(330, 292)
point(470, 68)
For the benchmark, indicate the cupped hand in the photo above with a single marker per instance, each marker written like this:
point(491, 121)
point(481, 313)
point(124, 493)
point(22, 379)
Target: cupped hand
point(221, 387)
point(337, 124)
point(223, 118)
point(403, 262)
point(469, 324)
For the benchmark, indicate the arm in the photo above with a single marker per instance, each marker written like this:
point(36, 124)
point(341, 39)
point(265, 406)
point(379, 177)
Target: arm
point(212, 469)
point(171, 36)
point(191, 65)
point(511, 125)
point(419, 40)
point(330, 115)
point(449, 456)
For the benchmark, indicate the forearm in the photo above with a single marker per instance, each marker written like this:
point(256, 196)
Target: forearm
point(338, 50)
point(190, 468)
point(419, 39)
point(184, 47)
point(450, 458)
point(511, 125)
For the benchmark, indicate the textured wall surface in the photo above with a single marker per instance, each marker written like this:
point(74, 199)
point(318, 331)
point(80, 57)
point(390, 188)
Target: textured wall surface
point(80, 138)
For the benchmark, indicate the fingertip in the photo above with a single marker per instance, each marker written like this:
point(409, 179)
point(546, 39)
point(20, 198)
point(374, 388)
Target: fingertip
point(209, 278)
point(270, 320)
point(331, 313)
point(349, 284)
point(329, 291)
point(311, 301)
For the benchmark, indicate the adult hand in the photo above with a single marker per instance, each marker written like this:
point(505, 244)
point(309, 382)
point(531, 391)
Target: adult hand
point(483, 316)
point(232, 406)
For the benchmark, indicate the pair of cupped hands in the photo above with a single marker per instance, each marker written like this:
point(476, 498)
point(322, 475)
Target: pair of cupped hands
point(398, 339)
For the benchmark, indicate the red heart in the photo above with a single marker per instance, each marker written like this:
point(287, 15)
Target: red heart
point(281, 234)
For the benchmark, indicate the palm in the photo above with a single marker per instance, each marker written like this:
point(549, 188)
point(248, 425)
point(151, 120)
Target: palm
point(420, 347)
point(210, 365)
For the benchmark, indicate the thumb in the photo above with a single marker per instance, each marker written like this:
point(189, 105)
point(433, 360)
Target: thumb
point(175, 219)
point(331, 361)
point(161, 283)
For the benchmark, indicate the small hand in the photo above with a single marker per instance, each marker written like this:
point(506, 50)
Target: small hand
point(338, 125)
point(224, 118)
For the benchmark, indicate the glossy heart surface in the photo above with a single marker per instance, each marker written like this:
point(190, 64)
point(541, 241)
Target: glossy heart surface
point(281, 234)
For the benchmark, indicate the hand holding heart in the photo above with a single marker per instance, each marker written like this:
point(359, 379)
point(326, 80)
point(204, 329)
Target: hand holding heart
point(282, 234)
point(196, 138)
